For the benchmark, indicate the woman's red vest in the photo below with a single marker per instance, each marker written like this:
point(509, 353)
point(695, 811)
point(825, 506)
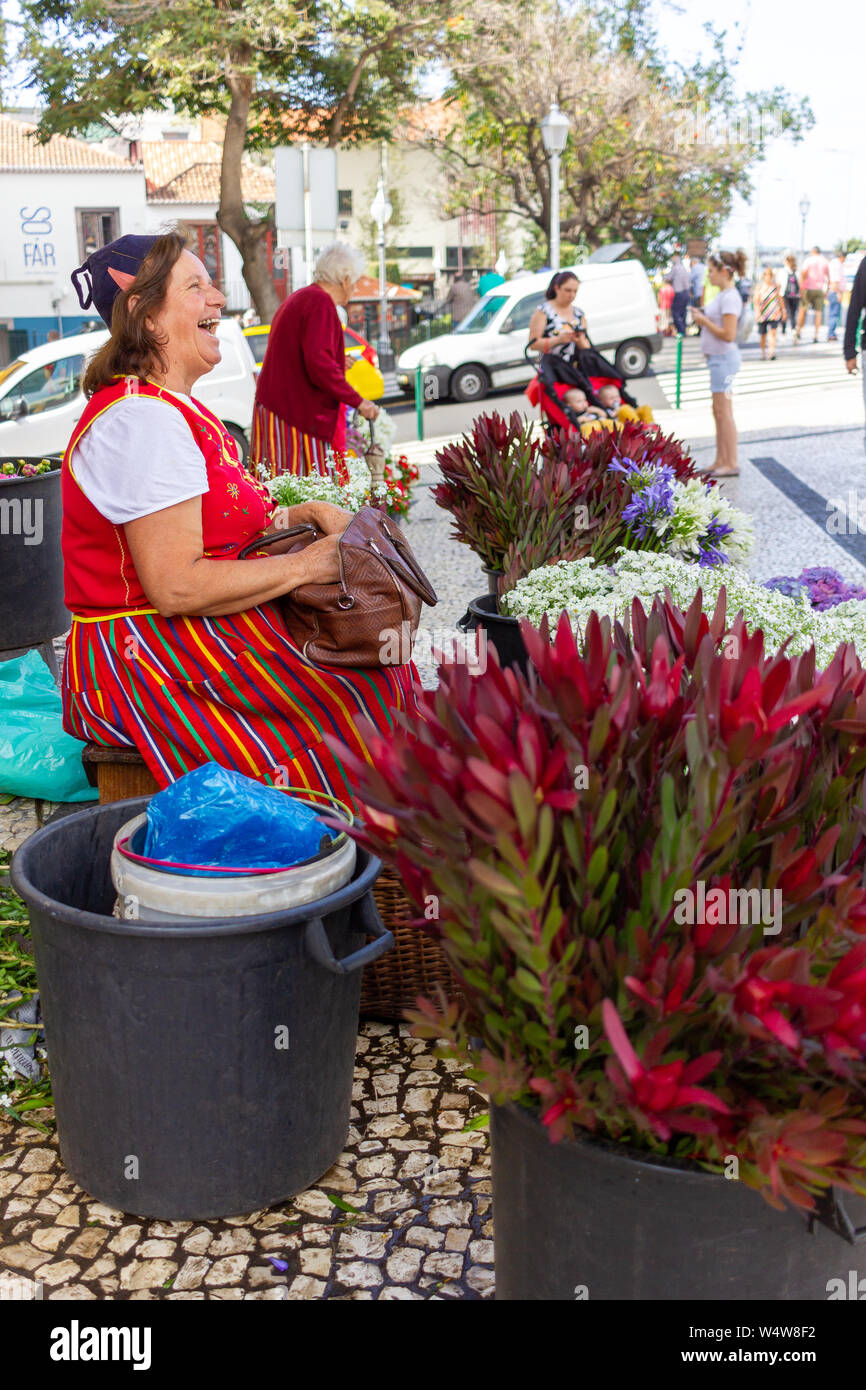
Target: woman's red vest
point(100, 576)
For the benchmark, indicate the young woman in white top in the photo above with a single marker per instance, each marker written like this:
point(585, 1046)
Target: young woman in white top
point(718, 325)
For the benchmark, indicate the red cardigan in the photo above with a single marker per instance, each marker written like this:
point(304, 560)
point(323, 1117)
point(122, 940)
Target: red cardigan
point(303, 376)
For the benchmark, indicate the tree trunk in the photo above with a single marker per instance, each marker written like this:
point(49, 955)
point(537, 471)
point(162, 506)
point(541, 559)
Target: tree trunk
point(249, 237)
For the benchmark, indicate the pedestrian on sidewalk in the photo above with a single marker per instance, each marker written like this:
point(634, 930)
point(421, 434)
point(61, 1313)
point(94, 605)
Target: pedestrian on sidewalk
point(298, 423)
point(791, 292)
point(680, 280)
point(814, 283)
point(852, 323)
point(768, 311)
point(666, 299)
point(718, 325)
point(838, 285)
point(461, 299)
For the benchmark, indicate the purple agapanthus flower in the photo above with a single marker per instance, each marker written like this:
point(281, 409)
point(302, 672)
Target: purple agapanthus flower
point(710, 554)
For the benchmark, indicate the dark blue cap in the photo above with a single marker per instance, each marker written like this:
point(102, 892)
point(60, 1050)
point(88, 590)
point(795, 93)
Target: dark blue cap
point(109, 270)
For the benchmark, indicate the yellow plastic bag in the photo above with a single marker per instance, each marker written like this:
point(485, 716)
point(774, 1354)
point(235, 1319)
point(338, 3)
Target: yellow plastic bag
point(366, 379)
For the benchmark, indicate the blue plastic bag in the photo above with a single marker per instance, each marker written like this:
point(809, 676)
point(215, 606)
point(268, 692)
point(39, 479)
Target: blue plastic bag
point(220, 818)
point(37, 757)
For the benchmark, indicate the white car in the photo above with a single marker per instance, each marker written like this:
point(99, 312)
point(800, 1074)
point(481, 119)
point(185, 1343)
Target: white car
point(487, 349)
point(41, 399)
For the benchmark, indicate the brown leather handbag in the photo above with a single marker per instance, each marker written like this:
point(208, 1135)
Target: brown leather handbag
point(370, 616)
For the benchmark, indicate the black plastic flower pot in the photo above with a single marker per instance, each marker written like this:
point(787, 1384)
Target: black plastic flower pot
point(503, 632)
point(31, 562)
point(200, 1068)
point(577, 1220)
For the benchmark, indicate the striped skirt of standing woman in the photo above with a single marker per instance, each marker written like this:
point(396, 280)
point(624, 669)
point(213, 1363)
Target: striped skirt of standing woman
point(278, 447)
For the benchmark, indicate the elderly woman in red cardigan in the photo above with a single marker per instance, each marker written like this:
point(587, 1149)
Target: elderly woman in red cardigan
point(299, 421)
point(177, 647)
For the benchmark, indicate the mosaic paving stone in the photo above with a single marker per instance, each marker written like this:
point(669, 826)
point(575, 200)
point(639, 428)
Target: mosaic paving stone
point(423, 1229)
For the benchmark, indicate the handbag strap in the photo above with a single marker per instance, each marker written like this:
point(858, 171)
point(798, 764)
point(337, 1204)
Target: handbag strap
point(409, 570)
point(265, 541)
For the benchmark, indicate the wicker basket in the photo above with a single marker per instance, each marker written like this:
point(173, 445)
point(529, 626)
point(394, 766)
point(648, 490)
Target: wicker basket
point(416, 965)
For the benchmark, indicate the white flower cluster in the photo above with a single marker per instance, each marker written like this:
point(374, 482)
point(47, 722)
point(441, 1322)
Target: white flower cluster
point(696, 509)
point(290, 491)
point(582, 587)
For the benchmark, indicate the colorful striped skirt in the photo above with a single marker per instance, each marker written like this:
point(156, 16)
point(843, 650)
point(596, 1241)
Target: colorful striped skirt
point(232, 690)
point(277, 447)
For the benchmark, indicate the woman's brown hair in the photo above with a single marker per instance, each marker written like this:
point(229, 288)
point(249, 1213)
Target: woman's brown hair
point(134, 349)
point(734, 261)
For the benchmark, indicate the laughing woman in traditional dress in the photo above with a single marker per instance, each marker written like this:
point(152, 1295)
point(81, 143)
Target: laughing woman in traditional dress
point(177, 647)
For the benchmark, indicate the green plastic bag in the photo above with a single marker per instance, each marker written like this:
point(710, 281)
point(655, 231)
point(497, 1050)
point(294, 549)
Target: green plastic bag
point(37, 757)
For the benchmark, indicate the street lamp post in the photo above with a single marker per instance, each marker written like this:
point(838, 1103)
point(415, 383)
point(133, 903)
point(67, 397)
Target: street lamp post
point(554, 134)
point(805, 205)
point(381, 210)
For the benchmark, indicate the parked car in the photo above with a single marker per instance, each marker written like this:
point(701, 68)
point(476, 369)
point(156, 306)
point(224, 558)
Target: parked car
point(487, 348)
point(370, 383)
point(41, 399)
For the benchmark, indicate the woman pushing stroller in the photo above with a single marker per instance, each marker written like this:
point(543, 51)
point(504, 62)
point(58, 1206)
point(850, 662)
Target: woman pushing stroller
point(558, 330)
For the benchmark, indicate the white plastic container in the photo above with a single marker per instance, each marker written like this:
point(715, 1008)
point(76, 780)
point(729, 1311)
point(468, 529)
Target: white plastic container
point(152, 895)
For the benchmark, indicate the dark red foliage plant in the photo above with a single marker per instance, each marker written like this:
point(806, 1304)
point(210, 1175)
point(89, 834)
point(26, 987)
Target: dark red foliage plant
point(645, 863)
point(521, 500)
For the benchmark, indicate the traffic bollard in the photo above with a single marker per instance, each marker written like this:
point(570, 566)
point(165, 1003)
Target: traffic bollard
point(419, 401)
point(679, 368)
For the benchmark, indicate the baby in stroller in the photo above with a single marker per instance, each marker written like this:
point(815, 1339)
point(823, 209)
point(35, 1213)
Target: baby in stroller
point(575, 385)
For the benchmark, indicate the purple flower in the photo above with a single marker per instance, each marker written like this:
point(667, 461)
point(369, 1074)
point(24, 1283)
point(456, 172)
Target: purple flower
point(281, 1265)
point(786, 584)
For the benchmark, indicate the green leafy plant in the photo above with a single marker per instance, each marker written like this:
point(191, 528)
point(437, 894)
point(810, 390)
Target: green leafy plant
point(18, 983)
point(560, 823)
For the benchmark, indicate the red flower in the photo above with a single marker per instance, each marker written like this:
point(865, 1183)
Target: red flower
point(660, 1093)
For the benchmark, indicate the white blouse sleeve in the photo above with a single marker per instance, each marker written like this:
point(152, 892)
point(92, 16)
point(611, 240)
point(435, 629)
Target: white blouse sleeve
point(137, 458)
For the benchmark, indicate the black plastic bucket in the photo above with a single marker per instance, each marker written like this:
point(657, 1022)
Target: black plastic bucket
point(31, 562)
point(503, 632)
point(578, 1220)
point(200, 1068)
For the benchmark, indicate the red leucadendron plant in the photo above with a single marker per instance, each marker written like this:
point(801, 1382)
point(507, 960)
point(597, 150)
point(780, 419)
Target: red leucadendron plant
point(520, 500)
point(592, 844)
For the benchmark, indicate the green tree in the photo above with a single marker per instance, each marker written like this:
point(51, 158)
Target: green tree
point(274, 69)
point(653, 152)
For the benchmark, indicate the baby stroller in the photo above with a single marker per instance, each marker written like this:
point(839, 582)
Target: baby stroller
point(554, 376)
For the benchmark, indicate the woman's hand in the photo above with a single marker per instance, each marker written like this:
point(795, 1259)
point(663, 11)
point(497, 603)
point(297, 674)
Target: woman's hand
point(368, 409)
point(699, 317)
point(330, 520)
point(318, 563)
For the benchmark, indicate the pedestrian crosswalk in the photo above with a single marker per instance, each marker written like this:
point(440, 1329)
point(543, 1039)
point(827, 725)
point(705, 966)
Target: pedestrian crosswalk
point(791, 371)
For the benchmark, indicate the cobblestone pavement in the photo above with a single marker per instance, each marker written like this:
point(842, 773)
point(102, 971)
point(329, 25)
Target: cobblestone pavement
point(420, 1186)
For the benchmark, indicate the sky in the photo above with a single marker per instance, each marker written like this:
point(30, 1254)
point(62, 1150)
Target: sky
point(810, 52)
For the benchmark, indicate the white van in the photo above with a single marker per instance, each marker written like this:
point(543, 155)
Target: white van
point(41, 400)
point(487, 348)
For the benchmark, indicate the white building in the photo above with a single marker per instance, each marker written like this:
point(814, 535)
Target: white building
point(62, 200)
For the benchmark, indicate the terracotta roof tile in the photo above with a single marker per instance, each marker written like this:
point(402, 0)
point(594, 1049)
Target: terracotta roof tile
point(188, 171)
point(19, 150)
